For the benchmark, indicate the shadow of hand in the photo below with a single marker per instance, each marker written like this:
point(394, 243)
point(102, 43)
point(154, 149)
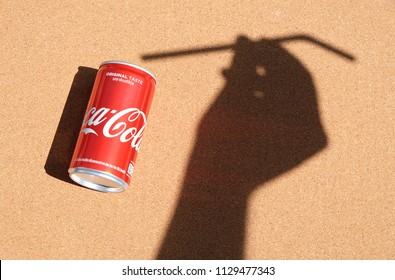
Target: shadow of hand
point(264, 122)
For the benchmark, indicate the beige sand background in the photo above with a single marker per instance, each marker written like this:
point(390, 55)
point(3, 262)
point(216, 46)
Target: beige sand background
point(338, 203)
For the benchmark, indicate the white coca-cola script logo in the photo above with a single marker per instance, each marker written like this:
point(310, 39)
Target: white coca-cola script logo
point(126, 129)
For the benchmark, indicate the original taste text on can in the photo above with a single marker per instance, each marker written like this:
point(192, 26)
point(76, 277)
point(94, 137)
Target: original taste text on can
point(113, 126)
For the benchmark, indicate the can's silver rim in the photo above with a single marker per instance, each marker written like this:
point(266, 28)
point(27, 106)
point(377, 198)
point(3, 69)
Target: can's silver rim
point(73, 173)
point(129, 64)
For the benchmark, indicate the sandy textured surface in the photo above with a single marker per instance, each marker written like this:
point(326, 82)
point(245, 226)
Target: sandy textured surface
point(271, 134)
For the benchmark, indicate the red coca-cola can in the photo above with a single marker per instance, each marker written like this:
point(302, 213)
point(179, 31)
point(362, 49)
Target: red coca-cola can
point(113, 126)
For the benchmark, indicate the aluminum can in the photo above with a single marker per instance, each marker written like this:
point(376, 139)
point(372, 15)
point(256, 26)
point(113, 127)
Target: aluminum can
point(110, 137)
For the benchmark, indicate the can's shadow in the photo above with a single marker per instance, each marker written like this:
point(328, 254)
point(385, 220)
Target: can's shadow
point(66, 135)
point(263, 123)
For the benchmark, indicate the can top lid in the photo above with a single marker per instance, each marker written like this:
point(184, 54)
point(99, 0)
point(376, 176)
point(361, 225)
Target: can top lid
point(129, 64)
